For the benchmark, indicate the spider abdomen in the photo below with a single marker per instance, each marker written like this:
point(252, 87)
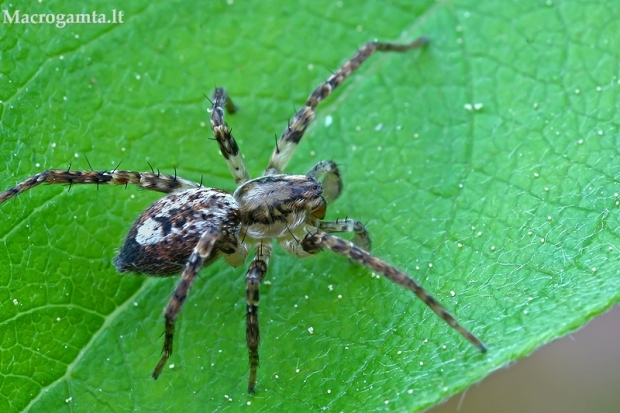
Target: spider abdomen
point(162, 238)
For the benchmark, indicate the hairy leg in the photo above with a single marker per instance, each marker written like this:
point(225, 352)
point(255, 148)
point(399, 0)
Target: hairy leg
point(200, 254)
point(146, 180)
point(223, 135)
point(295, 130)
point(315, 242)
point(361, 237)
point(253, 278)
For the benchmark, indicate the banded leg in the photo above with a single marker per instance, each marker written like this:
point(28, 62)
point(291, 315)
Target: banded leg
point(361, 237)
point(225, 140)
point(332, 183)
point(295, 130)
point(253, 278)
point(315, 242)
point(146, 180)
point(200, 254)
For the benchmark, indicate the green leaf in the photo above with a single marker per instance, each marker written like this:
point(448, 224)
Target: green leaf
point(486, 165)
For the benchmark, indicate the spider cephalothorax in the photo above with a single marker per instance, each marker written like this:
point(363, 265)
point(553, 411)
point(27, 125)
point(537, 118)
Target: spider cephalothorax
point(193, 225)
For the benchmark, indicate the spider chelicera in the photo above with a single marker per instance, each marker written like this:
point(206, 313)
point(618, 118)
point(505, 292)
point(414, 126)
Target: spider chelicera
point(193, 225)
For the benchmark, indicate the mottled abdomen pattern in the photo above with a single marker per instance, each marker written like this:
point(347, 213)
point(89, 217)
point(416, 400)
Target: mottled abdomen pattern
point(163, 237)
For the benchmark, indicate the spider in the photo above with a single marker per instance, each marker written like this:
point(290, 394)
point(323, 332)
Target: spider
point(192, 226)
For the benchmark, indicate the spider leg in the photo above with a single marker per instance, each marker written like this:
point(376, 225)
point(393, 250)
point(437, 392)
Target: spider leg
point(146, 180)
point(332, 183)
point(315, 242)
point(295, 130)
point(225, 140)
point(361, 237)
point(201, 253)
point(253, 278)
